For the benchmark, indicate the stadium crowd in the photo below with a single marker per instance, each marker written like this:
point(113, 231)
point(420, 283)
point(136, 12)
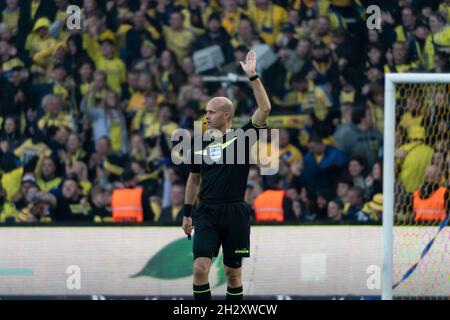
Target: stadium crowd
point(86, 114)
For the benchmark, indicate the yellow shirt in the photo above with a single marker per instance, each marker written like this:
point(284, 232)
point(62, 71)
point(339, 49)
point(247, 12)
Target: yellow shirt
point(136, 102)
point(11, 19)
point(291, 154)
point(314, 98)
point(175, 211)
point(269, 21)
point(377, 115)
point(179, 42)
point(116, 134)
point(407, 120)
point(230, 21)
point(144, 120)
point(116, 71)
point(440, 39)
point(35, 43)
point(157, 129)
point(444, 8)
point(412, 167)
point(114, 68)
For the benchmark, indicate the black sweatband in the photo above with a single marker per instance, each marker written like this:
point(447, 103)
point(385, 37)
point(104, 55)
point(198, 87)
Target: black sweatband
point(254, 77)
point(187, 210)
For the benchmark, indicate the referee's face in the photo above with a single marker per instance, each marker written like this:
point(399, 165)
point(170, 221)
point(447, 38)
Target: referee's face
point(214, 118)
point(218, 113)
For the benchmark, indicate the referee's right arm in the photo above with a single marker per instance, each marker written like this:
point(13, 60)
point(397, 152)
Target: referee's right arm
point(192, 186)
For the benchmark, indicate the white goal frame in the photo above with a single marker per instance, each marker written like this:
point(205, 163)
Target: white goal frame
point(390, 80)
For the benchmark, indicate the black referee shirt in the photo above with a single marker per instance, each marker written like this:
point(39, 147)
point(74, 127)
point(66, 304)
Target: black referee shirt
point(223, 180)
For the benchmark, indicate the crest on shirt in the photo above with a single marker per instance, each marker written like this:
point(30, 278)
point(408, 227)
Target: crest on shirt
point(215, 152)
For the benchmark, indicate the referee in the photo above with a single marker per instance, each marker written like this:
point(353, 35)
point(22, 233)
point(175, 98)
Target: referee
point(222, 217)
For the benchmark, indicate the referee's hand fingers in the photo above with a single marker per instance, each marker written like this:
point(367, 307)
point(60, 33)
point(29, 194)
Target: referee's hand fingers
point(187, 225)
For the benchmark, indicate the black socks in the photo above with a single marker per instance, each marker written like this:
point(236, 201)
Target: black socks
point(235, 293)
point(202, 292)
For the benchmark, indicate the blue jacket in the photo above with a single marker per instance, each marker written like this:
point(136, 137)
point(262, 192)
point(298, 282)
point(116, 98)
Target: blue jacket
point(322, 175)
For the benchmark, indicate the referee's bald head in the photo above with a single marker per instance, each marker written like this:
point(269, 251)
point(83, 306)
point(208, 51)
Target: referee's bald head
point(222, 104)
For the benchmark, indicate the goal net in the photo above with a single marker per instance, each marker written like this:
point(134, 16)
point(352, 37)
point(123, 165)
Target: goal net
point(416, 178)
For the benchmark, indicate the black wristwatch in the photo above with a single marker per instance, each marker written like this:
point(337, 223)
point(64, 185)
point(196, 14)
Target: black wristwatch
point(254, 77)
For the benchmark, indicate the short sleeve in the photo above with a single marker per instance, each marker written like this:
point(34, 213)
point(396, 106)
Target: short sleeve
point(251, 125)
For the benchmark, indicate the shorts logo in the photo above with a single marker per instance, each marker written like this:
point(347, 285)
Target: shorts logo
point(242, 251)
point(215, 153)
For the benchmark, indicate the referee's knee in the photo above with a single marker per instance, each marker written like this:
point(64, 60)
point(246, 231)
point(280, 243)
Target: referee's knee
point(201, 267)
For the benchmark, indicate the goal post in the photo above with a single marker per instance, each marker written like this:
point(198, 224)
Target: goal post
point(389, 174)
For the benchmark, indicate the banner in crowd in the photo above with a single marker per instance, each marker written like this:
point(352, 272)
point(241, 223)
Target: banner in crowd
point(294, 121)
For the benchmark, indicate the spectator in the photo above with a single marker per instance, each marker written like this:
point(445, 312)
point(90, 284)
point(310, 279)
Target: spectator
point(39, 39)
point(361, 138)
point(13, 91)
point(100, 201)
point(397, 59)
point(105, 59)
point(405, 31)
point(10, 136)
point(372, 211)
point(356, 201)
point(305, 96)
point(231, 16)
point(322, 199)
point(413, 158)
point(298, 60)
point(67, 203)
point(438, 38)
point(136, 36)
point(343, 185)
point(178, 39)
point(324, 71)
point(108, 121)
point(268, 19)
point(147, 117)
point(167, 75)
point(335, 210)
point(48, 178)
point(173, 213)
point(431, 202)
point(288, 151)
point(215, 35)
point(322, 165)
point(54, 116)
point(357, 169)
point(374, 181)
point(294, 196)
point(32, 210)
point(245, 35)
point(144, 87)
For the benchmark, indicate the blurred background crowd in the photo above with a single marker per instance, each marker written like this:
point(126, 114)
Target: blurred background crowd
point(86, 115)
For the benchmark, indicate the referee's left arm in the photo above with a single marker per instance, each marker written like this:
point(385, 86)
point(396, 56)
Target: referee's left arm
point(259, 118)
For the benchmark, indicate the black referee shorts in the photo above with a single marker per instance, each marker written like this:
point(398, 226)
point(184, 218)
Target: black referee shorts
point(226, 225)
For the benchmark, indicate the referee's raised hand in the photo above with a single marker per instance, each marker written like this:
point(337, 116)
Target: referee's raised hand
point(249, 66)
